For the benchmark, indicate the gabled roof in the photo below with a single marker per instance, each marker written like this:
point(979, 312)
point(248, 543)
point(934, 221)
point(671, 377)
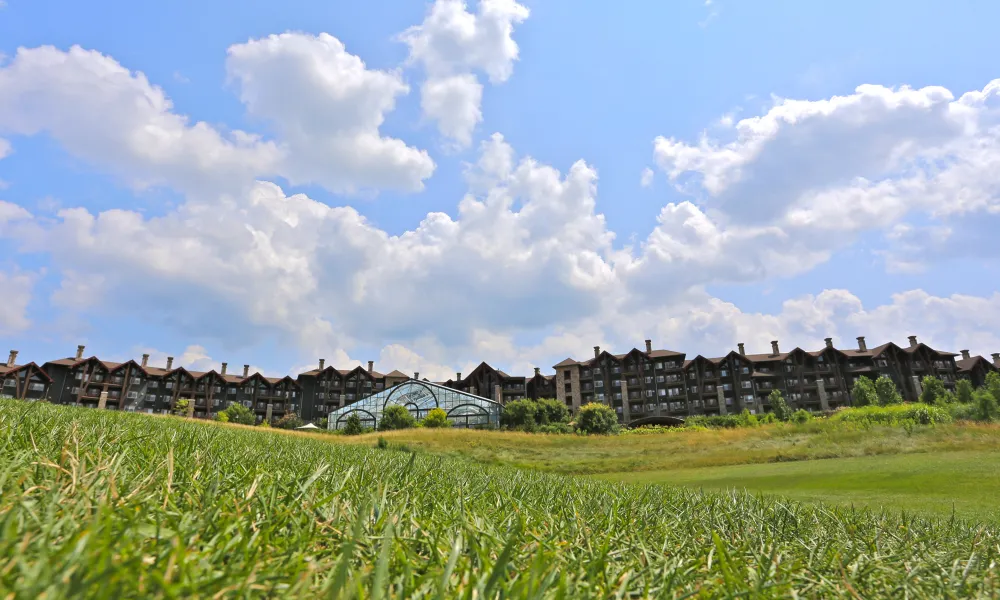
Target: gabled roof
point(10, 370)
point(566, 363)
point(912, 349)
point(277, 380)
point(396, 373)
point(664, 354)
point(767, 357)
point(968, 364)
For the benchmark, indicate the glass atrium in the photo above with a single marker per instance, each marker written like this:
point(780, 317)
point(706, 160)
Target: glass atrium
point(420, 397)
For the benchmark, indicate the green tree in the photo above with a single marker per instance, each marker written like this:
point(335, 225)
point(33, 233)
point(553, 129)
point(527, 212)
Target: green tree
point(986, 405)
point(181, 407)
point(597, 419)
point(933, 390)
point(863, 392)
point(887, 392)
point(550, 410)
point(520, 414)
point(352, 425)
point(993, 385)
point(437, 418)
point(237, 413)
point(396, 417)
point(963, 391)
point(289, 421)
point(801, 416)
point(778, 406)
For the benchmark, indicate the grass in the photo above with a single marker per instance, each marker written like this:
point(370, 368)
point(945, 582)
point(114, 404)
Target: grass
point(109, 505)
point(966, 483)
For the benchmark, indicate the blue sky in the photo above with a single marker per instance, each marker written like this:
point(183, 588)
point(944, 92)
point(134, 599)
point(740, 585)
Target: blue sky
point(525, 284)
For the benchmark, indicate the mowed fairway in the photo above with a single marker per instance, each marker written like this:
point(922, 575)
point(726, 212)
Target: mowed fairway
point(109, 505)
point(967, 483)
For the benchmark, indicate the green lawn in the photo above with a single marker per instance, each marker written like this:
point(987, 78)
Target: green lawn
point(933, 483)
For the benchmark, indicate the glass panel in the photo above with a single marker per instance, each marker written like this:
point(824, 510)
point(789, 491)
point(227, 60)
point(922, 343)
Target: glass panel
point(419, 397)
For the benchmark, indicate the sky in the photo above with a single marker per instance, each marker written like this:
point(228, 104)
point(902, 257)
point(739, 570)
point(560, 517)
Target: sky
point(429, 185)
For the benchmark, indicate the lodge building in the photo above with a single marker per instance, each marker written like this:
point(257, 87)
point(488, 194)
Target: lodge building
point(642, 385)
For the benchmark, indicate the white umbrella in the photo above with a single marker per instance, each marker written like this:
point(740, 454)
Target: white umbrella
point(308, 426)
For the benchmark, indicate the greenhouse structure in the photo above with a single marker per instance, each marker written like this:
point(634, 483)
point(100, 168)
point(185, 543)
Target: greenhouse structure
point(420, 397)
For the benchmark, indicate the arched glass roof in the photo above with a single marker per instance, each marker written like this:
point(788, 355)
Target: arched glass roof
point(420, 397)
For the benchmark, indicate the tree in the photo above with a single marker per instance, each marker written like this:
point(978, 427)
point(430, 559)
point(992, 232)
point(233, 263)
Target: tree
point(986, 405)
point(289, 421)
point(437, 418)
point(520, 414)
point(963, 391)
point(550, 410)
point(992, 385)
point(778, 406)
point(933, 390)
point(237, 413)
point(863, 392)
point(887, 392)
point(352, 425)
point(181, 407)
point(597, 419)
point(396, 417)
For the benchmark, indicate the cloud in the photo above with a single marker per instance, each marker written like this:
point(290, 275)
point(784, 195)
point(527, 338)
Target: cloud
point(327, 107)
point(17, 289)
point(646, 179)
point(450, 45)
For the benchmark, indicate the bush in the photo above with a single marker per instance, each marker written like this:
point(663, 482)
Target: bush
point(801, 416)
point(437, 418)
point(289, 421)
point(963, 391)
point(863, 392)
point(221, 417)
point(352, 425)
point(993, 385)
point(597, 419)
point(747, 419)
point(933, 391)
point(381, 444)
point(885, 389)
point(715, 421)
point(986, 405)
point(396, 417)
point(181, 407)
point(556, 428)
point(778, 406)
point(237, 413)
point(550, 410)
point(520, 414)
point(265, 424)
point(963, 411)
point(894, 415)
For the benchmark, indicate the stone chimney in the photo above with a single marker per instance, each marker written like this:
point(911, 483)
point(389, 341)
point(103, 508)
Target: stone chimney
point(861, 344)
point(223, 371)
point(829, 342)
point(371, 366)
point(965, 355)
point(538, 371)
point(996, 359)
point(12, 358)
point(458, 376)
point(416, 375)
point(743, 350)
point(913, 341)
point(170, 362)
point(145, 360)
point(246, 371)
point(649, 346)
point(79, 352)
point(597, 351)
point(774, 348)
point(322, 362)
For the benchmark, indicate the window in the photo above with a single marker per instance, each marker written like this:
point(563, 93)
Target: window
point(566, 373)
point(78, 375)
point(659, 378)
point(598, 383)
point(692, 375)
point(649, 393)
point(36, 387)
point(746, 385)
point(674, 392)
point(745, 370)
point(75, 391)
point(748, 399)
point(659, 366)
point(132, 395)
point(728, 387)
point(649, 380)
point(616, 382)
point(9, 383)
point(618, 396)
point(663, 392)
point(724, 373)
point(169, 385)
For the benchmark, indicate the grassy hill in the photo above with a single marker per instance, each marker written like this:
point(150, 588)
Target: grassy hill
point(105, 504)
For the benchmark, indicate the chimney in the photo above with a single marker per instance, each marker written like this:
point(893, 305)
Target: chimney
point(743, 350)
point(861, 344)
point(829, 342)
point(649, 346)
point(416, 375)
point(322, 362)
point(79, 352)
point(170, 362)
point(145, 360)
point(246, 371)
point(458, 376)
point(913, 341)
point(224, 365)
point(12, 358)
point(597, 351)
point(774, 348)
point(996, 359)
point(371, 365)
point(965, 354)
point(538, 371)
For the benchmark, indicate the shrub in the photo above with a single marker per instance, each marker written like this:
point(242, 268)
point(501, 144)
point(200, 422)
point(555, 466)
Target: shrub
point(520, 414)
point(381, 444)
point(289, 421)
point(556, 428)
point(550, 410)
point(863, 392)
point(993, 385)
point(894, 415)
point(265, 424)
point(747, 419)
point(933, 390)
point(352, 425)
point(597, 419)
point(221, 417)
point(986, 405)
point(963, 411)
point(766, 418)
point(237, 413)
point(181, 407)
point(715, 421)
point(801, 416)
point(963, 391)
point(396, 417)
point(885, 389)
point(778, 406)
point(437, 418)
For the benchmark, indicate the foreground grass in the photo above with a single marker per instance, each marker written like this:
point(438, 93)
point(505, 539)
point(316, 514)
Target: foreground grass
point(111, 505)
point(572, 454)
point(966, 483)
